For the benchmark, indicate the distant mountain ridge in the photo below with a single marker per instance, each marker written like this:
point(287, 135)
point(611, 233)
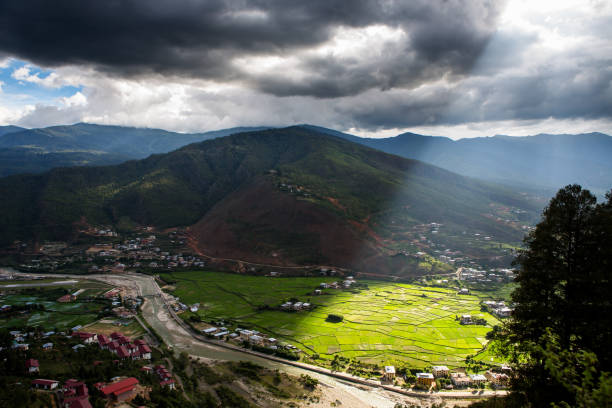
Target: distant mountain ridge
point(283, 196)
point(541, 161)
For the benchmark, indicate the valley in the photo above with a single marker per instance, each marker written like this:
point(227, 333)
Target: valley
point(405, 325)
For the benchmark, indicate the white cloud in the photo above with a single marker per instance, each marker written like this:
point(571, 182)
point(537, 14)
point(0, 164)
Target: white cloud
point(78, 99)
point(52, 80)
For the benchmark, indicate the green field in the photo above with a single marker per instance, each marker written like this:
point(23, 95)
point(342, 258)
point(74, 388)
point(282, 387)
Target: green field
point(55, 314)
point(387, 323)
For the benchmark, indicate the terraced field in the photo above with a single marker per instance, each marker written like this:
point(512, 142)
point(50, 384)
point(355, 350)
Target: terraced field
point(388, 323)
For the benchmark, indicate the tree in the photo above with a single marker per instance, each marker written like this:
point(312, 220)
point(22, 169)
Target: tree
point(563, 291)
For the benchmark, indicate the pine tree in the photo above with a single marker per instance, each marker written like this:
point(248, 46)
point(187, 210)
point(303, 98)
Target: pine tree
point(564, 294)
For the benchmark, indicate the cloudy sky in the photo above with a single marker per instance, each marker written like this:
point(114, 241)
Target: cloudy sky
point(373, 68)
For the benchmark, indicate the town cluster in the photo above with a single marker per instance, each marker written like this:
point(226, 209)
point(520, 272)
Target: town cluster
point(448, 379)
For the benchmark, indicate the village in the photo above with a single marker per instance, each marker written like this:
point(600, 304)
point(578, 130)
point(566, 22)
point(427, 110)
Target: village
point(35, 351)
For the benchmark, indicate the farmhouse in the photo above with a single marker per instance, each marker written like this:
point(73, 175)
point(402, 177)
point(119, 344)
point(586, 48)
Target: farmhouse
point(43, 384)
point(440, 371)
point(389, 373)
point(425, 379)
point(466, 319)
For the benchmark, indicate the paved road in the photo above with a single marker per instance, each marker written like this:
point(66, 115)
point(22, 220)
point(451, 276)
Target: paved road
point(176, 335)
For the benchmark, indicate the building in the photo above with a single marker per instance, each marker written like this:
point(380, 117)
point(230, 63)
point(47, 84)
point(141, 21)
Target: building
point(121, 390)
point(76, 394)
point(32, 366)
point(478, 379)
point(497, 379)
point(440, 371)
point(87, 338)
point(389, 373)
point(460, 380)
point(425, 379)
point(466, 319)
point(47, 346)
point(171, 384)
point(255, 339)
point(42, 384)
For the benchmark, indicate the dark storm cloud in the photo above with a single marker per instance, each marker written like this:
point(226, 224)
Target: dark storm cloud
point(199, 39)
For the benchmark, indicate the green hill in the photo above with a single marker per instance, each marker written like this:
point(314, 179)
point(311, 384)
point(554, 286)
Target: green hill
point(287, 196)
point(84, 144)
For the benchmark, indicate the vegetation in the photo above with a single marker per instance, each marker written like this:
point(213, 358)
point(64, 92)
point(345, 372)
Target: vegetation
point(351, 199)
point(560, 333)
point(387, 323)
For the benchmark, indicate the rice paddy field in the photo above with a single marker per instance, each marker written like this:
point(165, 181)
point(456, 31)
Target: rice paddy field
point(55, 314)
point(383, 323)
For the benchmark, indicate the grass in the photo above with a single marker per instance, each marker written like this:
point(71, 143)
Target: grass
point(107, 326)
point(55, 314)
point(385, 323)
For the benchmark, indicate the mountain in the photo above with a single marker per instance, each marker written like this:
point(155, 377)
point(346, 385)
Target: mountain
point(285, 196)
point(542, 161)
point(38, 150)
point(9, 129)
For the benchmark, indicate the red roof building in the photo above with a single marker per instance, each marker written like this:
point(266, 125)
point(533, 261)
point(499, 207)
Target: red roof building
point(44, 384)
point(122, 352)
point(32, 365)
point(121, 390)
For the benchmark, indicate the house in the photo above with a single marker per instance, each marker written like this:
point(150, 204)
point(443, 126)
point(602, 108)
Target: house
point(389, 373)
point(440, 371)
point(20, 346)
point(464, 291)
point(121, 390)
point(460, 380)
point(245, 334)
point(255, 339)
point(145, 351)
point(170, 383)
point(497, 379)
point(77, 347)
point(425, 379)
point(210, 330)
point(86, 338)
point(41, 384)
point(103, 341)
point(122, 352)
point(47, 346)
point(466, 319)
point(478, 378)
point(32, 365)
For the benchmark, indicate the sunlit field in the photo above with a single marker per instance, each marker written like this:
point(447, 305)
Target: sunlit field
point(383, 323)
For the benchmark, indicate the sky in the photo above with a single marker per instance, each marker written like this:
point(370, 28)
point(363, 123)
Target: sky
point(371, 68)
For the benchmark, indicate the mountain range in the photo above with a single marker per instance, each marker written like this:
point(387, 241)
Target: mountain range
point(542, 162)
point(291, 196)
point(546, 162)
